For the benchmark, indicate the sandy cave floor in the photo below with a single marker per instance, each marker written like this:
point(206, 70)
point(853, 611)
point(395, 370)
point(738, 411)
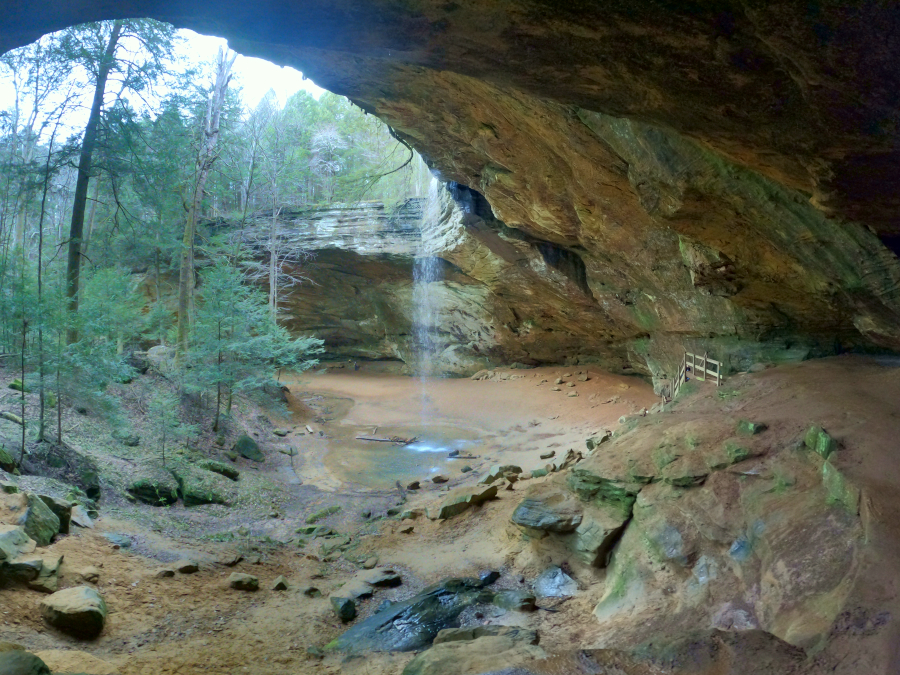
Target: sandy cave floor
point(195, 624)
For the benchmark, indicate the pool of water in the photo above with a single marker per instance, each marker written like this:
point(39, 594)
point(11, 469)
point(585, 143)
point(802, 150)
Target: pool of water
point(380, 465)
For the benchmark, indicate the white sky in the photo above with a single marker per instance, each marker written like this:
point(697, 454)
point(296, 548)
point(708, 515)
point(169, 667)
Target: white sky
point(255, 77)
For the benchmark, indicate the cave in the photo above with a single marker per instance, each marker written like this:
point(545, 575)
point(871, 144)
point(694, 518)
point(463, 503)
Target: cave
point(622, 183)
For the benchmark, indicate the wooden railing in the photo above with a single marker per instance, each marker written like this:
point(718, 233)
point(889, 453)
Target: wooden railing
point(699, 367)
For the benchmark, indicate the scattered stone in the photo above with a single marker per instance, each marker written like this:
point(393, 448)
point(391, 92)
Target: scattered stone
point(570, 384)
point(8, 487)
point(413, 486)
point(438, 479)
point(280, 584)
point(344, 608)
point(558, 380)
point(247, 448)
point(554, 583)
point(819, 440)
point(462, 499)
point(48, 579)
point(500, 471)
point(596, 441)
point(81, 518)
point(748, 428)
point(38, 521)
point(311, 592)
point(572, 394)
point(548, 455)
point(157, 490)
point(186, 566)
point(466, 469)
point(164, 573)
point(14, 543)
point(197, 487)
point(555, 389)
point(230, 454)
point(412, 514)
point(519, 601)
point(118, 540)
point(90, 574)
point(584, 377)
point(220, 468)
point(539, 473)
point(408, 529)
point(370, 563)
point(243, 582)
point(78, 611)
point(454, 453)
point(281, 433)
point(488, 577)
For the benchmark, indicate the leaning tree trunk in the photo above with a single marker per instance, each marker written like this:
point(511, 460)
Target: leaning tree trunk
point(205, 160)
point(76, 229)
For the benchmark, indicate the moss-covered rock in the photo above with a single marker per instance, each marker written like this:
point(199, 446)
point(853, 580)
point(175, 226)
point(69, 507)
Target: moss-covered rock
point(748, 428)
point(820, 441)
point(7, 462)
point(220, 468)
point(197, 487)
point(160, 489)
point(78, 611)
point(596, 489)
point(247, 448)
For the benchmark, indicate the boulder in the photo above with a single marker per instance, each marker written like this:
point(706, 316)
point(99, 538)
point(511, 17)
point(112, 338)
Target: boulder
point(412, 624)
point(344, 608)
point(820, 441)
point(186, 566)
point(243, 582)
point(9, 487)
point(547, 508)
point(220, 468)
point(554, 583)
point(20, 662)
point(197, 487)
point(38, 521)
point(280, 584)
point(47, 580)
point(438, 479)
point(7, 461)
point(14, 542)
point(78, 611)
point(164, 573)
point(247, 448)
point(500, 471)
point(62, 509)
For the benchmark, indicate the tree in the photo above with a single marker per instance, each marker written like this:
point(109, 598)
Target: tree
point(236, 346)
point(165, 423)
point(206, 157)
point(155, 40)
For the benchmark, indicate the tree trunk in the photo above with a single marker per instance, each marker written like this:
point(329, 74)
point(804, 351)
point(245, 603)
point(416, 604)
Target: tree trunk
point(76, 229)
point(273, 258)
point(205, 160)
point(90, 224)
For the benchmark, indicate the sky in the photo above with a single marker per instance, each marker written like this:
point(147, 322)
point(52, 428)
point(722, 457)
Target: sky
point(254, 76)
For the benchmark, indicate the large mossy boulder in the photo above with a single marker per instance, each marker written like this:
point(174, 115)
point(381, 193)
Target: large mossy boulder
point(14, 543)
point(38, 521)
point(80, 611)
point(412, 624)
point(197, 486)
point(247, 448)
point(66, 464)
point(157, 490)
point(547, 508)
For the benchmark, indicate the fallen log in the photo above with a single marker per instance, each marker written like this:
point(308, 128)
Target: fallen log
point(392, 439)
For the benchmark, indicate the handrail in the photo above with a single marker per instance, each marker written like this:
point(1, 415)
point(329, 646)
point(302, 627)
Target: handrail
point(700, 367)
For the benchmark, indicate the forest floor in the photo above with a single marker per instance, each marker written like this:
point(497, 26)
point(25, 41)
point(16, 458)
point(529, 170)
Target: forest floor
point(196, 624)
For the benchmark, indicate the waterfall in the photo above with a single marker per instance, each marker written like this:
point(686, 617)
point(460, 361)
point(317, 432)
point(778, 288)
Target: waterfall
point(427, 296)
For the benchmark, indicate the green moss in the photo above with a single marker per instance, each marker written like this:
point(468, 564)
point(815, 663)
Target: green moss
point(839, 490)
point(735, 453)
point(601, 491)
point(819, 441)
point(748, 428)
point(663, 456)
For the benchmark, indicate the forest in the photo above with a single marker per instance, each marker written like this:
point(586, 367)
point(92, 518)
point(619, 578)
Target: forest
point(120, 160)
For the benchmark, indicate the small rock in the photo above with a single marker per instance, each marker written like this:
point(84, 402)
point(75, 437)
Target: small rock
point(187, 566)
point(748, 428)
point(280, 584)
point(243, 582)
point(231, 454)
point(549, 455)
point(572, 394)
point(78, 611)
point(454, 453)
point(81, 518)
point(558, 380)
point(439, 479)
point(466, 469)
point(407, 530)
point(249, 449)
point(345, 608)
point(90, 574)
point(583, 377)
point(570, 384)
point(539, 473)
point(519, 601)
point(164, 573)
point(118, 540)
point(555, 389)
point(413, 486)
point(311, 592)
point(488, 577)
point(8, 487)
point(280, 432)
point(370, 563)
point(554, 583)
point(757, 367)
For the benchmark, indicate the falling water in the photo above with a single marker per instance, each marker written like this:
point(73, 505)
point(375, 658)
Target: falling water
point(427, 310)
